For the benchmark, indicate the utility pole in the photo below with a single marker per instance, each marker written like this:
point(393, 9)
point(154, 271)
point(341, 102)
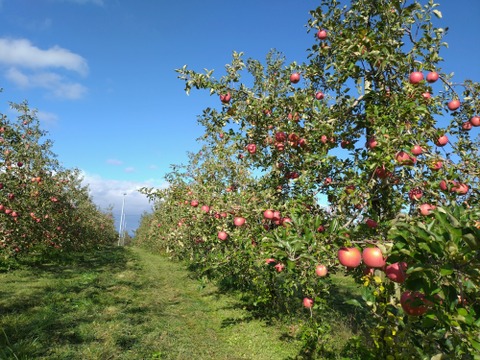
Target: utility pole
point(122, 216)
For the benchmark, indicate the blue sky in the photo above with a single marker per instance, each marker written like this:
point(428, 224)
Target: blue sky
point(101, 74)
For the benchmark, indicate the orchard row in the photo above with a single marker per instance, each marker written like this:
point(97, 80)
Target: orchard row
point(42, 205)
point(354, 163)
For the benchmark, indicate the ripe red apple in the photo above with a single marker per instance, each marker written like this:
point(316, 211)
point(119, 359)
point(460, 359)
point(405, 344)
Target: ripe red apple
point(397, 272)
point(307, 302)
point(321, 229)
point(404, 158)
point(432, 76)
point(19, 164)
point(426, 209)
point(295, 78)
point(371, 223)
point(319, 95)
point(467, 126)
point(459, 188)
point(453, 104)
point(417, 150)
point(349, 257)
point(443, 185)
point(437, 165)
point(415, 194)
point(225, 98)
point(268, 214)
point(251, 148)
point(442, 140)
point(475, 120)
point(321, 270)
point(373, 257)
point(414, 303)
point(280, 136)
point(239, 221)
point(222, 235)
point(194, 203)
point(205, 208)
point(372, 143)
point(426, 95)
point(322, 34)
point(270, 261)
point(416, 77)
point(279, 267)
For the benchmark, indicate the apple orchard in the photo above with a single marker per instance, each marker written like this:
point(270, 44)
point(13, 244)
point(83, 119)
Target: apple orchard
point(44, 209)
point(361, 162)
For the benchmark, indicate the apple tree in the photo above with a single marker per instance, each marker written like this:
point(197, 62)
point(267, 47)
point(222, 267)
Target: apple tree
point(372, 151)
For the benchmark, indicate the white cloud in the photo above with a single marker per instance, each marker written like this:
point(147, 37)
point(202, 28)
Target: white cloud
point(115, 162)
point(56, 84)
point(47, 117)
point(22, 53)
point(83, 2)
point(129, 169)
point(107, 192)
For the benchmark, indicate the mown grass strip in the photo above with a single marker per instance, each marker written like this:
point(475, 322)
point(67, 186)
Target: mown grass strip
point(121, 303)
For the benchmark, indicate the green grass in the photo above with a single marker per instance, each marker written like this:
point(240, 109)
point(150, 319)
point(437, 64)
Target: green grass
point(119, 303)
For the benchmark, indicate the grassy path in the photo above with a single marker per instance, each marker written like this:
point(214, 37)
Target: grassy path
point(126, 304)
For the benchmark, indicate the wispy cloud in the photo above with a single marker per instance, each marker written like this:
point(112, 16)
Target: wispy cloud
point(129, 169)
point(83, 2)
point(47, 117)
point(115, 162)
point(31, 67)
point(108, 193)
point(22, 53)
point(57, 85)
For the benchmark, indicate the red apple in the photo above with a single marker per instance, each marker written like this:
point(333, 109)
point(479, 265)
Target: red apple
point(270, 261)
point(319, 95)
point(397, 272)
point(372, 143)
point(459, 188)
point(467, 126)
point(295, 78)
point(239, 221)
point(442, 140)
point(426, 209)
point(349, 257)
point(322, 34)
point(443, 185)
point(251, 148)
point(321, 270)
point(280, 136)
point(268, 214)
point(432, 76)
point(416, 77)
point(371, 223)
point(373, 257)
point(437, 165)
point(426, 95)
point(417, 150)
point(453, 104)
point(321, 229)
point(307, 302)
point(404, 158)
point(225, 98)
point(475, 120)
point(205, 208)
point(414, 303)
point(279, 267)
point(415, 194)
point(194, 203)
point(222, 235)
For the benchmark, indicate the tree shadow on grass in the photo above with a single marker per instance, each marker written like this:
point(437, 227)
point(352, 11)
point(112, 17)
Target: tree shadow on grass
point(62, 297)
